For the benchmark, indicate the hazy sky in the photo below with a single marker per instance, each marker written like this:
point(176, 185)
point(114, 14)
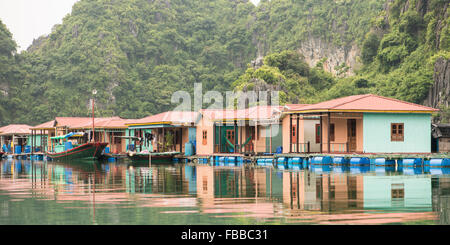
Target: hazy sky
point(30, 19)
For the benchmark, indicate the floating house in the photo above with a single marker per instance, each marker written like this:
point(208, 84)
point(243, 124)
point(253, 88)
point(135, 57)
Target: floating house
point(112, 130)
point(441, 138)
point(109, 129)
point(14, 138)
point(169, 131)
point(361, 123)
point(246, 131)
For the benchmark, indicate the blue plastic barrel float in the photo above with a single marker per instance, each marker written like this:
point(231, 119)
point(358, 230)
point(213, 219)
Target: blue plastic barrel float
point(412, 162)
point(28, 149)
point(340, 161)
point(383, 162)
point(18, 149)
point(111, 159)
point(326, 160)
point(106, 150)
point(440, 162)
point(359, 161)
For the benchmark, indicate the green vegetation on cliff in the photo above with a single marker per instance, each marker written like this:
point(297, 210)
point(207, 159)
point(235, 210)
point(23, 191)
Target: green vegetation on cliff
point(136, 53)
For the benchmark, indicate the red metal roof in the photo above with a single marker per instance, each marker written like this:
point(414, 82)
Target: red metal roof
point(105, 122)
point(295, 107)
point(46, 125)
point(367, 102)
point(84, 122)
point(171, 117)
point(15, 129)
point(252, 113)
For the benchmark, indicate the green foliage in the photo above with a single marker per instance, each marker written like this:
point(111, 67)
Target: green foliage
point(369, 48)
point(288, 73)
point(136, 53)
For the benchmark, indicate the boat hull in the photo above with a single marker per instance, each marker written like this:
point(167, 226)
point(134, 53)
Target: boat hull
point(88, 151)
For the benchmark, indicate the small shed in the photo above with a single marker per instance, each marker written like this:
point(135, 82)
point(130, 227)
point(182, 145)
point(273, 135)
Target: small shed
point(441, 137)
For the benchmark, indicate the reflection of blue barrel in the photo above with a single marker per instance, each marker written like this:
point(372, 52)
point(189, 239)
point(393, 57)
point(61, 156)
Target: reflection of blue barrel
point(18, 149)
point(189, 149)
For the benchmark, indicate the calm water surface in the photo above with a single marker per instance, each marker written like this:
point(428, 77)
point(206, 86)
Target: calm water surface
point(187, 194)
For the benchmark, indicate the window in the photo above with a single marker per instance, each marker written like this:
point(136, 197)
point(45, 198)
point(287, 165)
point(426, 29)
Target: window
point(397, 131)
point(204, 137)
point(332, 132)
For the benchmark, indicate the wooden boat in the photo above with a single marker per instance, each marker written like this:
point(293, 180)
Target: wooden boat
point(157, 157)
point(84, 151)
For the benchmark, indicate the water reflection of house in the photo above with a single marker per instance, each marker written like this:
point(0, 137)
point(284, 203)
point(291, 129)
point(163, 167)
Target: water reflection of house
point(397, 192)
point(322, 192)
point(441, 199)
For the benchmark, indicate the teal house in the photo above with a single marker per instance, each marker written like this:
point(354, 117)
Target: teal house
point(365, 124)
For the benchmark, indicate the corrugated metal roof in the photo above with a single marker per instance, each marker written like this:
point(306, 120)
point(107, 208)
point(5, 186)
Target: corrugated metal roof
point(170, 117)
point(252, 113)
point(367, 102)
point(15, 129)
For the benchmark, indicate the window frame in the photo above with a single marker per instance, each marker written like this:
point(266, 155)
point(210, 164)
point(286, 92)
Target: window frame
point(204, 137)
point(397, 132)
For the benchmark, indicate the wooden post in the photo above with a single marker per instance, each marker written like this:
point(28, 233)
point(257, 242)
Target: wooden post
point(214, 137)
point(240, 138)
point(270, 132)
point(290, 133)
point(328, 131)
point(220, 139)
point(298, 132)
point(164, 138)
point(235, 136)
point(320, 132)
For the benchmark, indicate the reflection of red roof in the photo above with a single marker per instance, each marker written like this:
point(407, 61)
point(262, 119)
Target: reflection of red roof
point(16, 129)
point(366, 102)
point(169, 117)
point(252, 113)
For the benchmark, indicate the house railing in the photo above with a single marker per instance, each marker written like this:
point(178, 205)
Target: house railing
point(301, 147)
point(335, 147)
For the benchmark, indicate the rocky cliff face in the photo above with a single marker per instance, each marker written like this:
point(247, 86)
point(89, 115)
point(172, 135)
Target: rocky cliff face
point(340, 61)
point(439, 94)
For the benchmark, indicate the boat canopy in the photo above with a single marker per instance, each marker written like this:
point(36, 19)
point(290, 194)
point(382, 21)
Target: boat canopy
point(78, 134)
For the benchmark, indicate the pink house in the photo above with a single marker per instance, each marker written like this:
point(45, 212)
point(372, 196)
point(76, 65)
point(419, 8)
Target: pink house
point(246, 131)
